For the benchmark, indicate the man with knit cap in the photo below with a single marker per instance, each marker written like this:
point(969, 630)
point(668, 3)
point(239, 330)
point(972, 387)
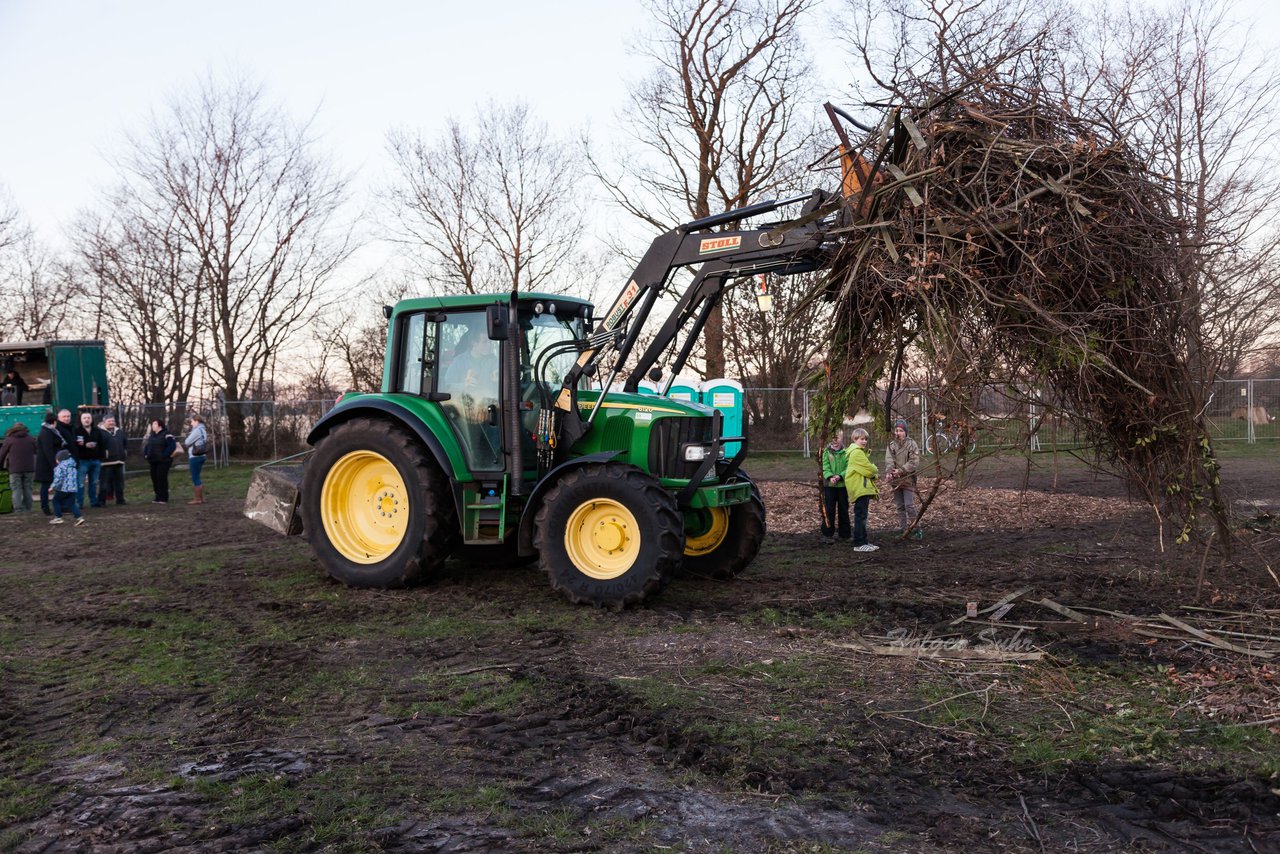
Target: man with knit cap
point(901, 462)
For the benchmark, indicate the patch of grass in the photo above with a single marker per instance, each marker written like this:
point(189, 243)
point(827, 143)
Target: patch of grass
point(557, 826)
point(21, 799)
point(343, 803)
point(232, 480)
point(490, 691)
point(176, 649)
point(659, 694)
point(1125, 714)
point(835, 622)
point(483, 798)
point(426, 625)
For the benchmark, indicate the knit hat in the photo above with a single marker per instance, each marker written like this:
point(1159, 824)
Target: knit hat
point(64, 454)
point(901, 422)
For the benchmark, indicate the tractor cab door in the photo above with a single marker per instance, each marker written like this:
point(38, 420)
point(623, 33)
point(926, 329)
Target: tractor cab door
point(541, 378)
point(469, 372)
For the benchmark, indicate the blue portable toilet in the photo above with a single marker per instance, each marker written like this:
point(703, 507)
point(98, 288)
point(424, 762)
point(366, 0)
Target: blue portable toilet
point(646, 387)
point(685, 389)
point(726, 397)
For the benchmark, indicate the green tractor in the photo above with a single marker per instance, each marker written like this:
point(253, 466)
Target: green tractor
point(487, 436)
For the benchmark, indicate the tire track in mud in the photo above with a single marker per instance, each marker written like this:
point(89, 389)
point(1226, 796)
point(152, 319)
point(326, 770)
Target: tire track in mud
point(589, 749)
point(630, 751)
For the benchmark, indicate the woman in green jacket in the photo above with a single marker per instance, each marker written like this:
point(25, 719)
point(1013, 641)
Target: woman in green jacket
point(860, 479)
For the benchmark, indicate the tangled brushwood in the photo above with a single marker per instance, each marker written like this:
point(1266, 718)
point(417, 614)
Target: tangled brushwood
point(1003, 239)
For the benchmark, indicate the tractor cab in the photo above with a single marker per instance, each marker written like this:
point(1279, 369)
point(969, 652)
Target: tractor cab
point(452, 351)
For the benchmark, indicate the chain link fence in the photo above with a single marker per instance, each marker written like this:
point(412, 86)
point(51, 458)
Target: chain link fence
point(777, 420)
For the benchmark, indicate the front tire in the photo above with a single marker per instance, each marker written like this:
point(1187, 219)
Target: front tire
point(720, 542)
point(376, 507)
point(608, 535)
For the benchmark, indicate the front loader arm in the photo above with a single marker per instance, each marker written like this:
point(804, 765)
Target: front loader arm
point(788, 247)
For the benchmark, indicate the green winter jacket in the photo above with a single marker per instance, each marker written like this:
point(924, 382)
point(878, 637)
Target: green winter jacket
point(833, 464)
point(860, 475)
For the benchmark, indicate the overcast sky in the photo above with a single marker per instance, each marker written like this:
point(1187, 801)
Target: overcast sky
point(76, 74)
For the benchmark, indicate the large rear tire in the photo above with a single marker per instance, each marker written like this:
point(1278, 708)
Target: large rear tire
point(608, 535)
point(721, 542)
point(376, 507)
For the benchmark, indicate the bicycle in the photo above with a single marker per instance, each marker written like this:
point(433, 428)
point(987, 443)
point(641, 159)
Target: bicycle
point(950, 435)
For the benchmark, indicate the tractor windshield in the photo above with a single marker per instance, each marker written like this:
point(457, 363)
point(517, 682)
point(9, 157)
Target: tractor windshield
point(542, 332)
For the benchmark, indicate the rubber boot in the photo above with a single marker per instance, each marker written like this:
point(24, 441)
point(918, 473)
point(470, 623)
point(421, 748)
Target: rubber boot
point(199, 499)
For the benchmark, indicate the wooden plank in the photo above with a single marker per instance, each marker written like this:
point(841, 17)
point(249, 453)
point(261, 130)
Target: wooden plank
point(1216, 641)
point(965, 654)
point(1066, 612)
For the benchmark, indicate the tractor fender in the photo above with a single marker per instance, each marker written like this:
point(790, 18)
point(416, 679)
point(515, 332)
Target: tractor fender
point(524, 538)
point(389, 410)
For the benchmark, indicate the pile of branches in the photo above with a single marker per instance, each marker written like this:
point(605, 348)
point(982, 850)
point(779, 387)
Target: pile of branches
point(998, 236)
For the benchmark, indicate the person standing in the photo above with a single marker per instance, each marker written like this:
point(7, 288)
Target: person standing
point(18, 454)
point(860, 479)
point(901, 462)
point(197, 444)
point(65, 484)
point(835, 498)
point(158, 451)
point(89, 451)
point(49, 441)
point(13, 379)
point(115, 452)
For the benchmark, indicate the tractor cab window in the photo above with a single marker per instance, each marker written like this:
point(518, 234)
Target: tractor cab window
point(541, 331)
point(468, 373)
point(417, 355)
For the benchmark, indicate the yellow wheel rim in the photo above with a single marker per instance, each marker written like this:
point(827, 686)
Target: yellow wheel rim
point(364, 507)
point(602, 538)
point(716, 520)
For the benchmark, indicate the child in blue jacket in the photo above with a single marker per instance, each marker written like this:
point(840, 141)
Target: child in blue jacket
point(64, 487)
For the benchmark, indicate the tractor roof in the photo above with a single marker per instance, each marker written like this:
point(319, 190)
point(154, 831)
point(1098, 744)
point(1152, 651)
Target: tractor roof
point(481, 300)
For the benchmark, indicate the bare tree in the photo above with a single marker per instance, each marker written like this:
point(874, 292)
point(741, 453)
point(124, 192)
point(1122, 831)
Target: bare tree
point(1201, 106)
point(148, 295)
point(718, 121)
point(12, 227)
point(42, 297)
point(256, 212)
point(354, 337)
point(489, 208)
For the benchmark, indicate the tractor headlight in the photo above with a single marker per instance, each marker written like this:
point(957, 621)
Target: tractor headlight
point(696, 453)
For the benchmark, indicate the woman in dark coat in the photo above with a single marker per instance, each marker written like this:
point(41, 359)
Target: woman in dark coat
point(158, 451)
point(49, 441)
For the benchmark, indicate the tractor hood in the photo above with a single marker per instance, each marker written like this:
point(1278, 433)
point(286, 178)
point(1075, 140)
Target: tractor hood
point(648, 403)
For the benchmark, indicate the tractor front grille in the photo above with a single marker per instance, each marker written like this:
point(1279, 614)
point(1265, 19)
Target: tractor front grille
point(667, 439)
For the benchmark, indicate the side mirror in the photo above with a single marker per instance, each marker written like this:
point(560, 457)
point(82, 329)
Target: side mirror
point(496, 317)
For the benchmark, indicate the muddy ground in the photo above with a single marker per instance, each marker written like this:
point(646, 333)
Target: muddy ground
point(179, 678)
